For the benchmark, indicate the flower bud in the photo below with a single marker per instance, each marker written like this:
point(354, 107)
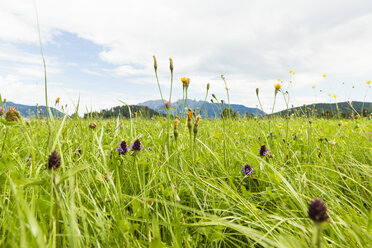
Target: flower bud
point(208, 86)
point(171, 64)
point(155, 63)
point(257, 90)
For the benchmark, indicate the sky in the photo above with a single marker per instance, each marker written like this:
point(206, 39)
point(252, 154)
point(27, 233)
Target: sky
point(102, 51)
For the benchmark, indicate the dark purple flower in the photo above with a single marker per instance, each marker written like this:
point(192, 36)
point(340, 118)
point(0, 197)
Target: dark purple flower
point(263, 150)
point(122, 148)
point(54, 161)
point(136, 146)
point(28, 159)
point(271, 135)
point(317, 211)
point(79, 151)
point(247, 169)
point(150, 149)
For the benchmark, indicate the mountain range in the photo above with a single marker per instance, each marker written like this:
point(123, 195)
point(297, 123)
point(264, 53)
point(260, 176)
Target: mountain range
point(210, 110)
point(30, 111)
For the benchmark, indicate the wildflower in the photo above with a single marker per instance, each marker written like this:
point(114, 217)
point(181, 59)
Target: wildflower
point(167, 105)
point(1, 111)
point(277, 87)
point(149, 148)
point(263, 150)
point(186, 82)
point(79, 151)
point(278, 80)
point(122, 148)
point(28, 159)
point(247, 169)
point(189, 119)
point(293, 73)
point(334, 96)
point(290, 71)
point(333, 143)
point(92, 125)
point(57, 100)
point(357, 116)
point(54, 161)
point(257, 91)
point(317, 211)
point(340, 124)
point(197, 119)
point(255, 118)
point(176, 121)
point(368, 82)
point(136, 146)
point(329, 94)
point(324, 75)
point(12, 115)
point(271, 135)
point(208, 86)
point(313, 87)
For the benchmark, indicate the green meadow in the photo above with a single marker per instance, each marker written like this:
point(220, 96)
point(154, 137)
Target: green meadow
point(188, 190)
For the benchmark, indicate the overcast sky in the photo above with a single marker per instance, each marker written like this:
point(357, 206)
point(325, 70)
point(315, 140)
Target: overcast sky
point(103, 50)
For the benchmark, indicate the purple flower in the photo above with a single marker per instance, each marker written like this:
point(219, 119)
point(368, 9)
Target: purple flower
point(259, 138)
point(271, 135)
point(122, 148)
point(263, 150)
point(79, 151)
point(247, 169)
point(28, 159)
point(136, 146)
point(150, 149)
point(167, 105)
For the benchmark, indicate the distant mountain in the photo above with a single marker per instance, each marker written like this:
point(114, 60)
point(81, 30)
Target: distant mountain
point(330, 109)
point(142, 111)
point(30, 111)
point(211, 110)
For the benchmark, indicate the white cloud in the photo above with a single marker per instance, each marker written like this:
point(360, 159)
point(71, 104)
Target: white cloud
point(252, 42)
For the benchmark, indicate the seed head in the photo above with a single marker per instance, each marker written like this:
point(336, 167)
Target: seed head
point(54, 161)
point(257, 91)
point(92, 125)
point(208, 86)
point(317, 211)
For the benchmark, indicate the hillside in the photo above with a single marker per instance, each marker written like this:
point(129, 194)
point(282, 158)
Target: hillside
point(30, 111)
point(211, 110)
point(142, 111)
point(330, 109)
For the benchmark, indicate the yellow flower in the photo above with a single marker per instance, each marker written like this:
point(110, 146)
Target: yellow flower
point(293, 73)
point(334, 96)
point(184, 80)
point(255, 118)
point(313, 87)
point(368, 82)
point(278, 80)
point(324, 75)
point(197, 107)
point(135, 113)
point(277, 86)
point(57, 100)
point(290, 71)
